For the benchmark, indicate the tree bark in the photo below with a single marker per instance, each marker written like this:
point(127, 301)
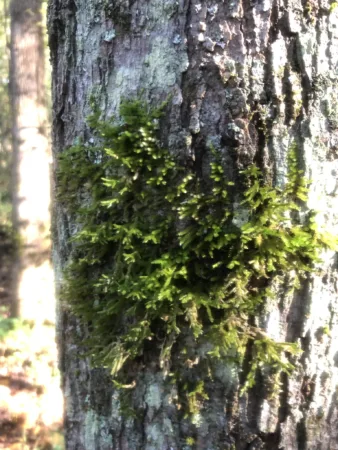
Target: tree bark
point(33, 276)
point(249, 78)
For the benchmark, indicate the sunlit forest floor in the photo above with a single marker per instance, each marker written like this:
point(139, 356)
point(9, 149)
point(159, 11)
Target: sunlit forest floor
point(30, 398)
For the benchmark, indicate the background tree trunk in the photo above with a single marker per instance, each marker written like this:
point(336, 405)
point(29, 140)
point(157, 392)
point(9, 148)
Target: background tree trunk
point(33, 277)
point(248, 77)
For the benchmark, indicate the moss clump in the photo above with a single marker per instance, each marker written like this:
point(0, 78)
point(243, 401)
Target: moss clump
point(158, 250)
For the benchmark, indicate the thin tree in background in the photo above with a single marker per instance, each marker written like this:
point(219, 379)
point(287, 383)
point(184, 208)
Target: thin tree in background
point(7, 241)
point(31, 182)
point(5, 119)
point(31, 406)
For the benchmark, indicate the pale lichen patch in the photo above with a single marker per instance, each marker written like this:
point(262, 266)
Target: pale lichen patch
point(164, 64)
point(307, 46)
point(278, 61)
point(155, 437)
point(96, 431)
point(153, 397)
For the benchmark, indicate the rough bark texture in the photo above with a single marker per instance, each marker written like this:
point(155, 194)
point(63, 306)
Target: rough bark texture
point(249, 77)
point(33, 276)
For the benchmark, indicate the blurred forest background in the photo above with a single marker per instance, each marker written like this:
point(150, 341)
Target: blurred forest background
point(30, 397)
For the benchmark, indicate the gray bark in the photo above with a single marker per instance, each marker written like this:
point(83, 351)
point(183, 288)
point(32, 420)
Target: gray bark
point(249, 77)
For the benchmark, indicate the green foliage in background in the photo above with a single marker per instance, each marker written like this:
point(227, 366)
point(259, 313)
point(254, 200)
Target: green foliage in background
point(10, 327)
point(157, 250)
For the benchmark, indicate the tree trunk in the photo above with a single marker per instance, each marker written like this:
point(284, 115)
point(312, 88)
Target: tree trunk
point(33, 277)
point(249, 78)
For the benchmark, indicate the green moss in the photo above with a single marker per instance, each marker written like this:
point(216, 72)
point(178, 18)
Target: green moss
point(9, 326)
point(333, 6)
point(190, 441)
point(195, 397)
point(157, 249)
